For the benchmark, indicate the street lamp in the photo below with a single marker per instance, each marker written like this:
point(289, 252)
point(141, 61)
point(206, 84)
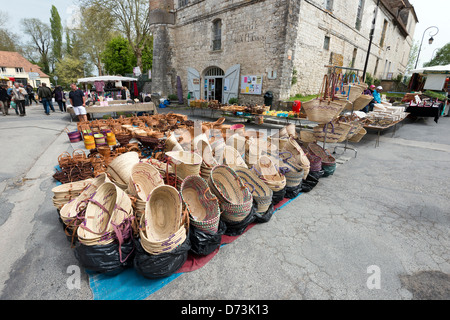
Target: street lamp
point(430, 41)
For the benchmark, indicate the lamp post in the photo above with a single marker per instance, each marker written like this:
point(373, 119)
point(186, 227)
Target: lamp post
point(372, 30)
point(430, 41)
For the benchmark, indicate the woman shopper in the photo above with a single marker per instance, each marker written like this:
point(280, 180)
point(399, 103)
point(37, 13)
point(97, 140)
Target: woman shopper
point(18, 96)
point(60, 98)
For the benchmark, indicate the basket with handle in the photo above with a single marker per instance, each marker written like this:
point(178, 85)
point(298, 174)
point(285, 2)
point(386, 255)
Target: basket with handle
point(235, 199)
point(106, 212)
point(362, 102)
point(120, 168)
point(232, 158)
point(261, 192)
point(266, 170)
point(318, 151)
point(358, 136)
point(314, 160)
point(335, 132)
point(164, 226)
point(187, 163)
point(68, 191)
point(201, 204)
point(299, 158)
point(292, 172)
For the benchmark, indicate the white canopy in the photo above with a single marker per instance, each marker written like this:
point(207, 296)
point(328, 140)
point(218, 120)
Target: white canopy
point(105, 79)
point(435, 69)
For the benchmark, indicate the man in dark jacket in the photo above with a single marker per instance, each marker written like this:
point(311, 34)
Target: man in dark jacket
point(45, 96)
point(30, 91)
point(3, 100)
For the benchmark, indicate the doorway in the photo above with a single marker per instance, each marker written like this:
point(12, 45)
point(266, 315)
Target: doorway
point(213, 84)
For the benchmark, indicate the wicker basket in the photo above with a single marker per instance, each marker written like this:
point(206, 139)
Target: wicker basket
point(64, 193)
point(318, 151)
point(261, 192)
point(120, 168)
point(299, 158)
point(335, 132)
point(265, 169)
point(323, 110)
point(187, 163)
point(232, 158)
point(143, 180)
point(362, 102)
point(235, 199)
point(163, 227)
point(202, 206)
point(106, 212)
point(357, 137)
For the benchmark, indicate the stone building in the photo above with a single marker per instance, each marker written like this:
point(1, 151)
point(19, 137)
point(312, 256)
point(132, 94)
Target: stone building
point(224, 49)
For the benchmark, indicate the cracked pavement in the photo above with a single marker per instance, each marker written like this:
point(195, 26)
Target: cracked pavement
point(388, 207)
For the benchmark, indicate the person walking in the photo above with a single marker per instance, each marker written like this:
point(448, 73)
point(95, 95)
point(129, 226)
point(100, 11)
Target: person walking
point(9, 91)
point(78, 102)
point(30, 91)
point(60, 98)
point(45, 96)
point(3, 100)
point(18, 96)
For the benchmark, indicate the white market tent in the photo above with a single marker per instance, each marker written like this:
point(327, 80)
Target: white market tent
point(105, 79)
point(436, 76)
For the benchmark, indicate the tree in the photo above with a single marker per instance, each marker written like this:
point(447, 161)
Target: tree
point(95, 33)
point(57, 33)
point(131, 19)
point(69, 70)
point(412, 56)
point(118, 56)
point(8, 40)
point(41, 40)
point(442, 57)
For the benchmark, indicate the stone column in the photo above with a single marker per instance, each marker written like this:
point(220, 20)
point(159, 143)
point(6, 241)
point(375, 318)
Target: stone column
point(161, 16)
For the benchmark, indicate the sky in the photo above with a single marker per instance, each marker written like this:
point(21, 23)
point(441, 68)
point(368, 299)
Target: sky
point(430, 13)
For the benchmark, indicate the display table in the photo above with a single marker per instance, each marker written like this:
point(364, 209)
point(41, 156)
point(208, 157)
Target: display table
point(137, 107)
point(434, 111)
point(113, 102)
point(379, 129)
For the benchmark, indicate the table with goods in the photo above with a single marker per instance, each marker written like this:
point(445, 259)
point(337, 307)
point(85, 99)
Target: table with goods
point(150, 192)
point(117, 108)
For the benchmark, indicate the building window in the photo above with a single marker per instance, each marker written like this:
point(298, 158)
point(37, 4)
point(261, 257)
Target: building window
point(182, 3)
point(326, 43)
point(19, 70)
point(376, 68)
point(3, 69)
point(359, 15)
point(217, 34)
point(383, 34)
point(328, 5)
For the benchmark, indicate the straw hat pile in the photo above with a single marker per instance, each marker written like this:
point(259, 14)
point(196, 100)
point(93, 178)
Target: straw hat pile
point(201, 204)
point(108, 217)
point(66, 192)
point(163, 226)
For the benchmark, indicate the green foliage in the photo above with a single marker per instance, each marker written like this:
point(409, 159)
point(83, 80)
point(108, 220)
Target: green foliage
point(69, 69)
point(442, 57)
point(233, 101)
point(173, 97)
point(294, 77)
point(118, 56)
point(57, 32)
point(303, 98)
point(435, 95)
point(369, 79)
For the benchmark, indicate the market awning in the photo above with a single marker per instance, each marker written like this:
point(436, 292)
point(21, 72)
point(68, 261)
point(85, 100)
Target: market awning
point(105, 79)
point(433, 70)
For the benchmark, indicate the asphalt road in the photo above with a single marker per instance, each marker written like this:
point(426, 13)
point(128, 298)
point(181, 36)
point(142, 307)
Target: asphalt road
point(378, 229)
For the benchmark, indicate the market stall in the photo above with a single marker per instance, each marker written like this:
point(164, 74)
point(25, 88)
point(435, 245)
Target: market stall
point(115, 108)
point(110, 86)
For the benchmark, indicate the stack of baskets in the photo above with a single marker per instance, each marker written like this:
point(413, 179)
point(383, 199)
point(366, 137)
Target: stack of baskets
point(120, 168)
point(203, 207)
point(261, 192)
point(232, 158)
point(66, 192)
point(328, 161)
point(266, 170)
point(108, 217)
point(208, 160)
point(163, 227)
point(235, 199)
point(89, 142)
point(74, 136)
point(143, 180)
point(298, 159)
point(186, 163)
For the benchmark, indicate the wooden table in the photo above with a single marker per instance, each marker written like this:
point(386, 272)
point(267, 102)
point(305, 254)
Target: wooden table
point(380, 128)
point(137, 107)
point(113, 102)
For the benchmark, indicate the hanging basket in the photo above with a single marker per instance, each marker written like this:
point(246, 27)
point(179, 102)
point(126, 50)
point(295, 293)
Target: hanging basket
point(261, 192)
point(323, 110)
point(362, 102)
point(201, 204)
point(335, 132)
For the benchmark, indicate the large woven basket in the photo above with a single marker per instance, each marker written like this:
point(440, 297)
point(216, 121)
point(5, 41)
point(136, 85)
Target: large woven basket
point(352, 92)
point(266, 170)
point(235, 199)
point(362, 102)
point(320, 152)
point(120, 168)
point(299, 158)
point(201, 204)
point(144, 178)
point(323, 110)
point(187, 163)
point(335, 132)
point(293, 173)
point(261, 192)
point(163, 226)
point(106, 212)
point(64, 193)
point(232, 158)
point(358, 136)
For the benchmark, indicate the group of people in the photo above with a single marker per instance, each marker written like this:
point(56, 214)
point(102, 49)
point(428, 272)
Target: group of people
point(19, 96)
point(375, 92)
